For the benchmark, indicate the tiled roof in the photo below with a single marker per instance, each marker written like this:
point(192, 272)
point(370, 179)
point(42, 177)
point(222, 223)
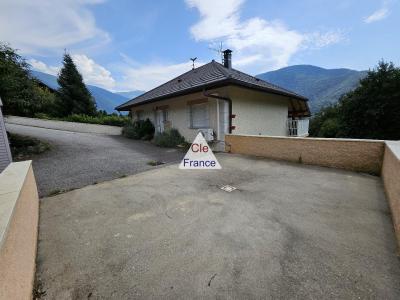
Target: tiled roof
point(209, 75)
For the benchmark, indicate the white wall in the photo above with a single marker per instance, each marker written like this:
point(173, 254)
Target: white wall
point(258, 113)
point(178, 113)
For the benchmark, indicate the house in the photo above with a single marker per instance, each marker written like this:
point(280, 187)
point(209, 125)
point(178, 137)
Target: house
point(5, 153)
point(217, 99)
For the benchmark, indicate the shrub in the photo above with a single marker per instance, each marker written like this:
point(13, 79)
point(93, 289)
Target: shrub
point(113, 120)
point(101, 118)
point(137, 130)
point(169, 138)
point(130, 131)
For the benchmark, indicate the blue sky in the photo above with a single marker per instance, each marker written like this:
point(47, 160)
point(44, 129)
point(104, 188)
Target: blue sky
point(135, 45)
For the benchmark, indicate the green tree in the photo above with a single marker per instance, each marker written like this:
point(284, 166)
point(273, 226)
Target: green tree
point(74, 97)
point(372, 110)
point(326, 122)
point(21, 95)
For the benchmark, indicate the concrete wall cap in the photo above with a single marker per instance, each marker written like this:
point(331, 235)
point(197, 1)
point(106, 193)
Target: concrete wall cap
point(310, 138)
point(11, 181)
point(394, 146)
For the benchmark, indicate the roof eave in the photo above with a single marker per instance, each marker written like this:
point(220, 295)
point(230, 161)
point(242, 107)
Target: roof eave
point(229, 81)
point(124, 107)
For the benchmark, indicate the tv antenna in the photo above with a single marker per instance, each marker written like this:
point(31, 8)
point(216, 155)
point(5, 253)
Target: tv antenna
point(193, 59)
point(218, 50)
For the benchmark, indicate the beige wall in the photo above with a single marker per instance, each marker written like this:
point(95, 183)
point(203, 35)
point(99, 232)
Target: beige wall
point(178, 113)
point(355, 155)
point(19, 213)
point(391, 181)
point(258, 113)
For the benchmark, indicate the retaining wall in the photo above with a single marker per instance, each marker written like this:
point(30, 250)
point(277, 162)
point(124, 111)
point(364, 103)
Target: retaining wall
point(19, 215)
point(63, 125)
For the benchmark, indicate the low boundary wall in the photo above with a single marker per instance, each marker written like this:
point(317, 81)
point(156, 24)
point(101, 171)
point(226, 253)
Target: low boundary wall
point(19, 215)
point(354, 155)
point(391, 182)
point(63, 125)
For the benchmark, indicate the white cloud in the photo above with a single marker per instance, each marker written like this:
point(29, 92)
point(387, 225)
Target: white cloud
point(378, 15)
point(146, 77)
point(92, 72)
point(317, 40)
point(38, 27)
point(42, 67)
point(258, 44)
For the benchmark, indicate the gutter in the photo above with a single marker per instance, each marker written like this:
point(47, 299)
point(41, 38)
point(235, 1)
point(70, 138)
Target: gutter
point(227, 99)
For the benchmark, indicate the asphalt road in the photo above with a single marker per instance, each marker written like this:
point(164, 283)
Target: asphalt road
point(80, 159)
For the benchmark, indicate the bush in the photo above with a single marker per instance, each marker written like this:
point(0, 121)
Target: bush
point(137, 130)
point(169, 138)
point(101, 118)
point(113, 120)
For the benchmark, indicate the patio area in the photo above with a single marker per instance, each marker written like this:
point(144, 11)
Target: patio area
point(287, 231)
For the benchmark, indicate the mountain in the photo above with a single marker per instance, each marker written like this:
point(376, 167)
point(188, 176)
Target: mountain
point(130, 94)
point(321, 86)
point(105, 100)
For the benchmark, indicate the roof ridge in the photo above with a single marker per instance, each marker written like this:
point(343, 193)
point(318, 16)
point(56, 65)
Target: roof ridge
point(222, 69)
point(165, 83)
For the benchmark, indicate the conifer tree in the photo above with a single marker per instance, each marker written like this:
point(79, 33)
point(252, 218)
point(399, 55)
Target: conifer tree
point(74, 97)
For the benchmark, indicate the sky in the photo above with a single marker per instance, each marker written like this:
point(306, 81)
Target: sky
point(124, 45)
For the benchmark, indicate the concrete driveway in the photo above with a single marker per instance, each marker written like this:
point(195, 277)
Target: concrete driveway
point(288, 231)
point(80, 159)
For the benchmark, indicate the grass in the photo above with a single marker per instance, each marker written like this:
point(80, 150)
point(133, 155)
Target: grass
point(24, 147)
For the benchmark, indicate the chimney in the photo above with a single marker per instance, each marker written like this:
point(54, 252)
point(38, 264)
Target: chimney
point(227, 58)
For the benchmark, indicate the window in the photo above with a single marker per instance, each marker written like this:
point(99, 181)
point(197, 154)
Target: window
point(199, 115)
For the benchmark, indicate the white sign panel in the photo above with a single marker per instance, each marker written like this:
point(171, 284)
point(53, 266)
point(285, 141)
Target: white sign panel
point(199, 156)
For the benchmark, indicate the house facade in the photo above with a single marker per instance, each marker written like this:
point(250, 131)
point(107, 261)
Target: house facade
point(5, 153)
point(217, 100)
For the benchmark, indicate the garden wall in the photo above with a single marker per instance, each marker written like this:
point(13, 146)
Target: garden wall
point(354, 155)
point(391, 181)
